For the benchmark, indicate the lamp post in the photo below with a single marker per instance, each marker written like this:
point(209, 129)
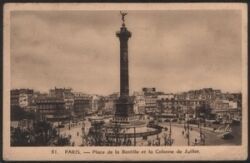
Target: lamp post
point(188, 130)
point(134, 137)
point(204, 133)
point(116, 133)
point(170, 133)
point(124, 136)
point(200, 130)
point(83, 133)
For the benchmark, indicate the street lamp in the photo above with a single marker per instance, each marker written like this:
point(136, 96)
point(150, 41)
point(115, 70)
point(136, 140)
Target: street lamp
point(188, 129)
point(200, 130)
point(134, 137)
point(83, 134)
point(203, 134)
point(170, 132)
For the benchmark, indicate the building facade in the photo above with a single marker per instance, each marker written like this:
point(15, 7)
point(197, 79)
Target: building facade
point(150, 100)
point(52, 108)
point(22, 98)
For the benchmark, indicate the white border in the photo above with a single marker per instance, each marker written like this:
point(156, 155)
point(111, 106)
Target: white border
point(44, 153)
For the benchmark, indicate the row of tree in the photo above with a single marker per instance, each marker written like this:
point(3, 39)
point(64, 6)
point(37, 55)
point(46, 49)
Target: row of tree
point(41, 134)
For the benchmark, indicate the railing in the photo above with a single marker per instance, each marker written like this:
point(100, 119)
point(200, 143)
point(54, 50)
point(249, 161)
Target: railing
point(132, 135)
point(157, 130)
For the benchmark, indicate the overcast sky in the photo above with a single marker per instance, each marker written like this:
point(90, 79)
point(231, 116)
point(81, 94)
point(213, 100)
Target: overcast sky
point(171, 50)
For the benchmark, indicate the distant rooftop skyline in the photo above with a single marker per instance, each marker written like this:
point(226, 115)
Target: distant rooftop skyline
point(136, 91)
point(173, 51)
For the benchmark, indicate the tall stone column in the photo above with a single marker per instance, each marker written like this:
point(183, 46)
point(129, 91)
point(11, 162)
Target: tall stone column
point(124, 35)
point(124, 106)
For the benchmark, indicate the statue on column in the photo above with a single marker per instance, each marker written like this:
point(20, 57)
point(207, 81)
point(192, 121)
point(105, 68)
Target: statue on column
point(123, 14)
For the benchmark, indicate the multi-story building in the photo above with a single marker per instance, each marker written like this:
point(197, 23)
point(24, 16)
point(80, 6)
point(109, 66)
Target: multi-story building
point(177, 106)
point(149, 91)
point(225, 108)
point(60, 92)
point(64, 93)
point(237, 96)
point(14, 97)
point(85, 104)
point(166, 96)
point(81, 104)
point(201, 94)
point(52, 108)
point(139, 103)
point(219, 105)
point(110, 104)
point(94, 102)
point(150, 95)
point(21, 98)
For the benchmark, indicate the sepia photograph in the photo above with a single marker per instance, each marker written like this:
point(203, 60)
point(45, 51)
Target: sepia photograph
point(125, 77)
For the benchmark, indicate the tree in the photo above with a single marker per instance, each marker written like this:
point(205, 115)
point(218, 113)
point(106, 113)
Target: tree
point(96, 133)
point(21, 137)
point(18, 113)
point(116, 130)
point(41, 134)
point(203, 111)
point(63, 141)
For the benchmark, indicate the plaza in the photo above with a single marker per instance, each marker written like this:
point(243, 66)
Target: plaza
point(178, 135)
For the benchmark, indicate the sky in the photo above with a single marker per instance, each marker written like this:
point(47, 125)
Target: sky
point(173, 51)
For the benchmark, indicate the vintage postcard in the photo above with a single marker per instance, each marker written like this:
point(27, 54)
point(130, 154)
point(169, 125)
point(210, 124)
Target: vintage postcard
point(125, 81)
